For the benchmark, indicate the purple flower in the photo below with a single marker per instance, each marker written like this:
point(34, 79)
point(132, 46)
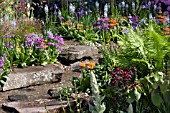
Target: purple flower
point(135, 20)
point(159, 8)
point(61, 42)
point(11, 46)
point(60, 49)
point(7, 44)
point(50, 43)
point(105, 26)
point(168, 8)
point(61, 18)
point(51, 36)
point(2, 60)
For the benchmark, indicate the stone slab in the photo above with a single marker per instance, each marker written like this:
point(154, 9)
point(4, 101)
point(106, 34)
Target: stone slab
point(33, 75)
point(37, 106)
point(78, 52)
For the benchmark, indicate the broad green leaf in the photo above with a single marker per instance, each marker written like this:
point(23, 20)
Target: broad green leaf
point(156, 98)
point(166, 96)
point(130, 108)
point(164, 86)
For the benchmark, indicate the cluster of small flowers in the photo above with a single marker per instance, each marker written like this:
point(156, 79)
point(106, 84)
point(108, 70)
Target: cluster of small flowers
point(40, 42)
point(134, 21)
point(33, 40)
point(55, 41)
point(121, 77)
point(90, 64)
point(101, 24)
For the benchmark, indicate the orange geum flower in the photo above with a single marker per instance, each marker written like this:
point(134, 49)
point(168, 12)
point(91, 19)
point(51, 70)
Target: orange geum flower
point(81, 31)
point(42, 42)
point(166, 31)
point(82, 64)
point(91, 65)
point(79, 25)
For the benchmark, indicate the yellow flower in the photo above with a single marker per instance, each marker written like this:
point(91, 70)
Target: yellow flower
point(30, 50)
point(18, 49)
point(91, 65)
point(82, 64)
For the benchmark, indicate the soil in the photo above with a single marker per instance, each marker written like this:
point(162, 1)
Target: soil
point(40, 91)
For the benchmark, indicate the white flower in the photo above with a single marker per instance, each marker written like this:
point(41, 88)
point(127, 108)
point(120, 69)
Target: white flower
point(55, 7)
point(13, 23)
point(6, 17)
point(167, 19)
point(59, 13)
point(106, 8)
point(46, 8)
point(71, 8)
point(150, 16)
point(155, 7)
point(133, 5)
point(105, 14)
point(119, 6)
point(97, 4)
point(1, 20)
point(149, 3)
point(123, 3)
point(127, 6)
point(55, 12)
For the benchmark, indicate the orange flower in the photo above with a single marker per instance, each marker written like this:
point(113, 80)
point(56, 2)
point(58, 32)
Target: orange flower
point(124, 17)
point(42, 42)
point(67, 23)
point(112, 23)
point(161, 18)
point(79, 25)
point(166, 31)
point(160, 12)
point(43, 46)
point(91, 65)
point(45, 40)
point(82, 64)
point(81, 31)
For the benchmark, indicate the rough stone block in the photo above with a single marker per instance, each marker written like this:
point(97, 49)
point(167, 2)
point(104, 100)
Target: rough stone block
point(33, 75)
point(78, 52)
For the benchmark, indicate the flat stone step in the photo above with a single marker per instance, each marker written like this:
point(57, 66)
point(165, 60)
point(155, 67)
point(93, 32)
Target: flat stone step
point(33, 75)
point(37, 106)
point(77, 52)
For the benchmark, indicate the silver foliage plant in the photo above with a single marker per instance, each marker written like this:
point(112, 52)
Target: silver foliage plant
point(98, 106)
